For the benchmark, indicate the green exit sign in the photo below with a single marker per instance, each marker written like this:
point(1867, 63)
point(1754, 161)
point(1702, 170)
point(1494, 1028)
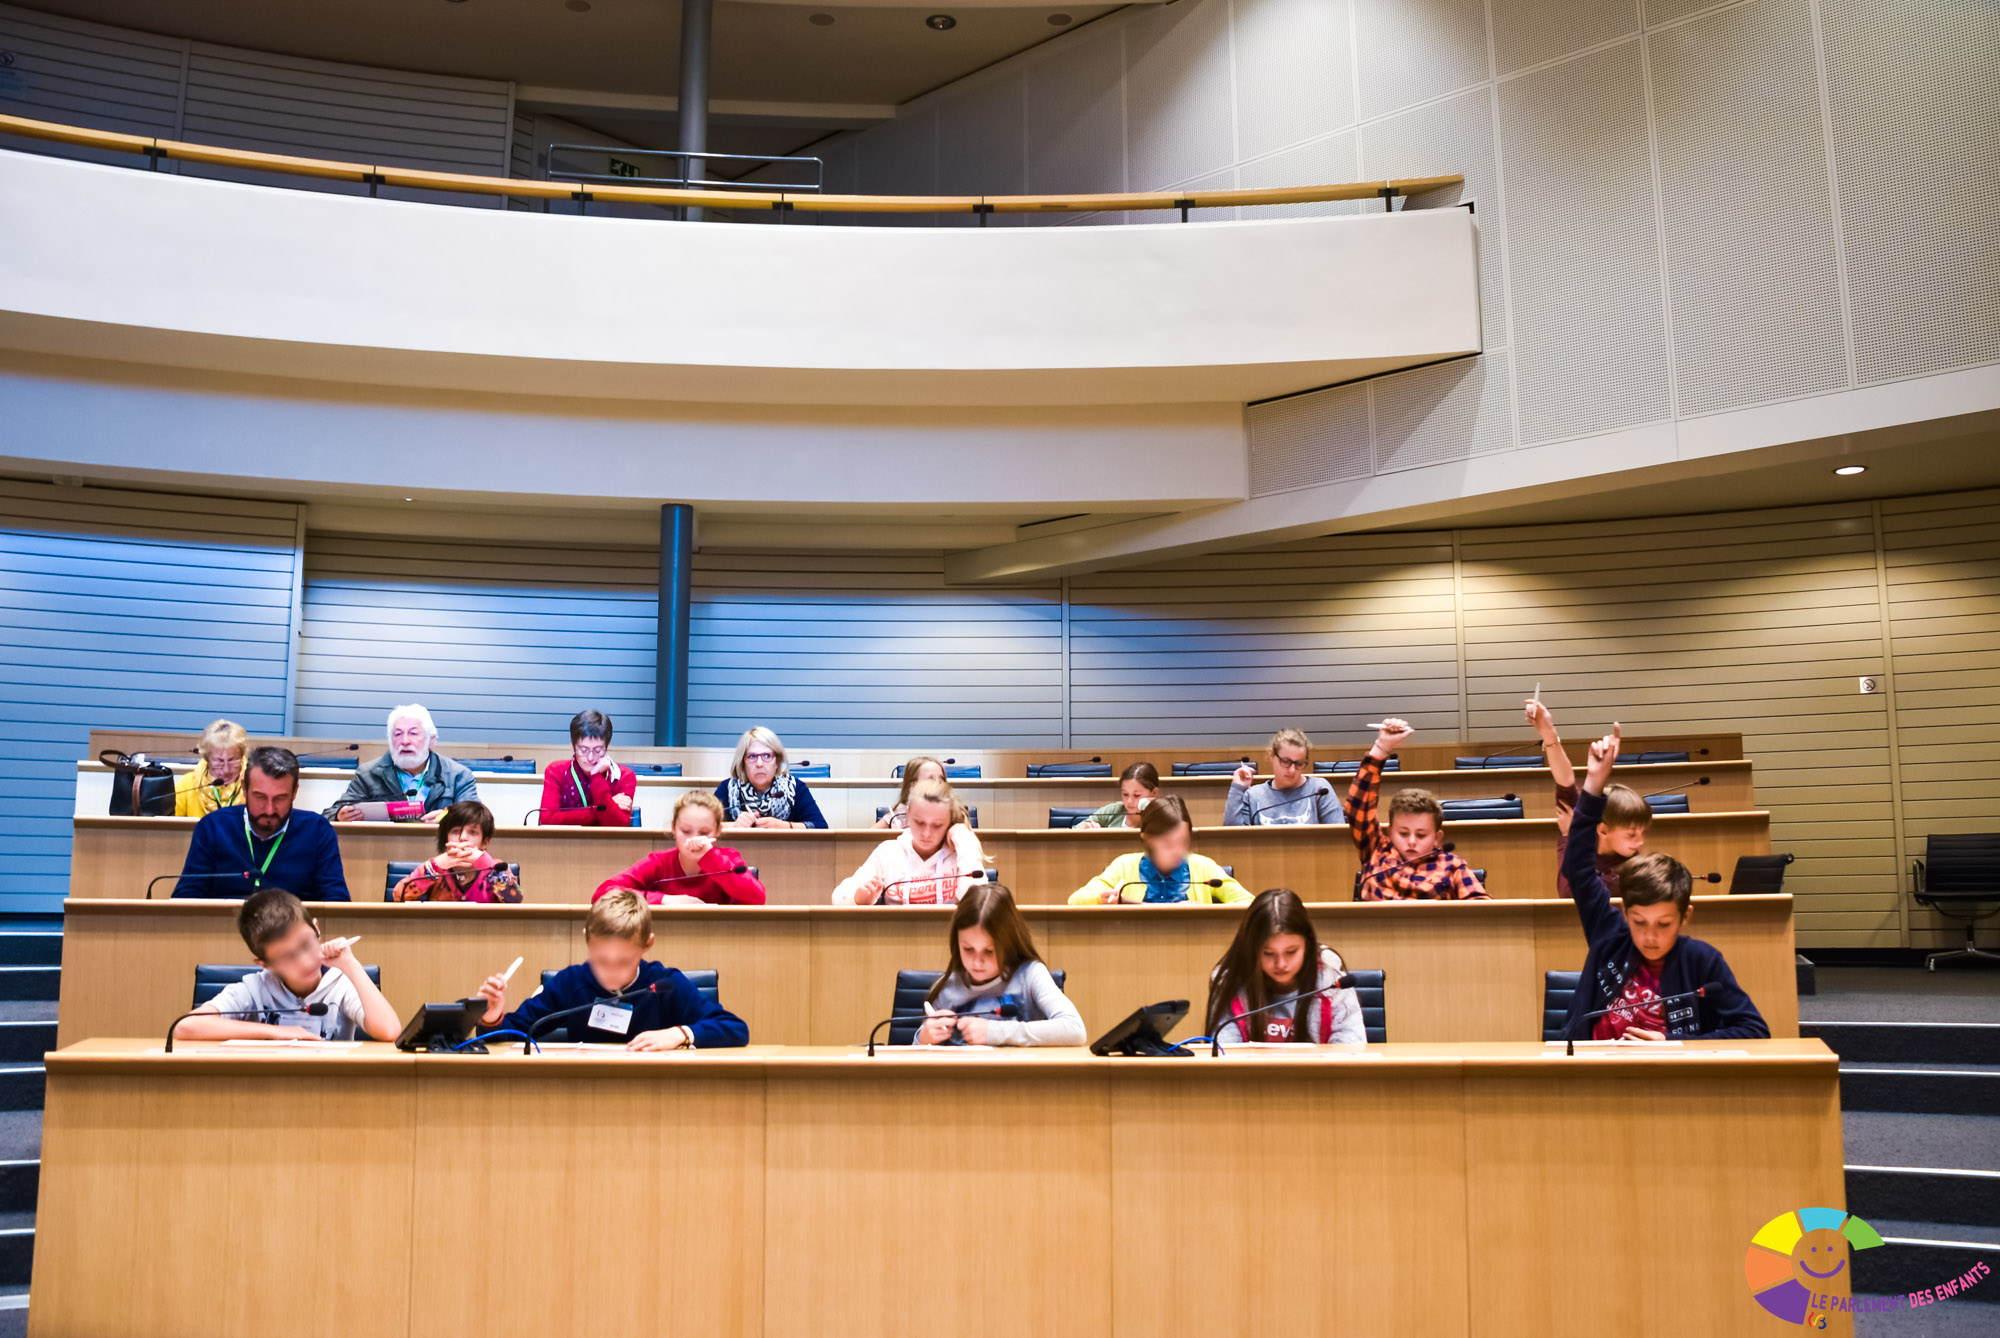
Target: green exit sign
point(621, 168)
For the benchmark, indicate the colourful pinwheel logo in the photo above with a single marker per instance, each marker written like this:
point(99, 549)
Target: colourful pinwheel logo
point(1797, 1263)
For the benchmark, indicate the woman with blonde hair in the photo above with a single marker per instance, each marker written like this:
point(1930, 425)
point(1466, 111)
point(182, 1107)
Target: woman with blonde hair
point(760, 791)
point(920, 768)
point(217, 779)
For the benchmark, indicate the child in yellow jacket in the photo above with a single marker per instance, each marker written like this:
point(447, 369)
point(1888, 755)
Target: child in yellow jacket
point(1168, 871)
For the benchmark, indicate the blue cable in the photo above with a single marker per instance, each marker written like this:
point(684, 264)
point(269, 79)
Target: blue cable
point(475, 1040)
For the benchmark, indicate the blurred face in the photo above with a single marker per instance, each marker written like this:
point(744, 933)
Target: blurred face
point(1169, 850)
point(269, 801)
point(1622, 841)
point(468, 837)
point(295, 958)
point(615, 961)
point(761, 765)
point(693, 822)
point(977, 955)
point(931, 771)
point(1289, 765)
point(409, 743)
point(929, 819)
point(1282, 957)
point(1135, 796)
point(1654, 929)
point(1415, 836)
point(225, 765)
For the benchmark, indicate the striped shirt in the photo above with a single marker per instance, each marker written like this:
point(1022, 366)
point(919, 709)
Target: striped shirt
point(1439, 876)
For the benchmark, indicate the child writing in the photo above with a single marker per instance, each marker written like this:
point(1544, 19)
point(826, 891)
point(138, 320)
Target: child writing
point(1622, 833)
point(915, 770)
point(1168, 870)
point(670, 1015)
point(994, 962)
point(298, 971)
point(696, 871)
point(1293, 795)
point(1640, 957)
point(927, 865)
point(1138, 786)
point(1405, 862)
point(1268, 962)
point(461, 870)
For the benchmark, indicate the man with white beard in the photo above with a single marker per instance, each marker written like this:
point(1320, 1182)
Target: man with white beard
point(410, 772)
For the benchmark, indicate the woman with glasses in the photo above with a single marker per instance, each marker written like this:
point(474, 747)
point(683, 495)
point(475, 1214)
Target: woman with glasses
point(1291, 797)
point(760, 791)
point(589, 790)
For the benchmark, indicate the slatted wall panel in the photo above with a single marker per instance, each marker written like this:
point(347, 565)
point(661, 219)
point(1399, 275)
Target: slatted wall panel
point(1324, 635)
point(1753, 621)
point(500, 641)
point(87, 74)
point(871, 650)
point(1942, 561)
point(126, 608)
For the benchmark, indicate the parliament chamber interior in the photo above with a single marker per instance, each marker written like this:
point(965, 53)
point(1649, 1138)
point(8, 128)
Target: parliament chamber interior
point(782, 669)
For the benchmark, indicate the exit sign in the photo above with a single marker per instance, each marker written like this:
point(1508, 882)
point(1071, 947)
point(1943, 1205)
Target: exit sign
point(621, 168)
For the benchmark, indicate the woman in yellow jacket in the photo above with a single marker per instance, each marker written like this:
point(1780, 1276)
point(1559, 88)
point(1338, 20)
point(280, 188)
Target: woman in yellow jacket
point(217, 779)
point(1168, 871)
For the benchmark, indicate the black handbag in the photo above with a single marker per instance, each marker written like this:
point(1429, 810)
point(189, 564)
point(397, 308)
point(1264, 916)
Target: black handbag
point(140, 787)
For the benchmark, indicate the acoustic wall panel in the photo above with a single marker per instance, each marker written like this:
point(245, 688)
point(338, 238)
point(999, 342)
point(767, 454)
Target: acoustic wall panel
point(1443, 413)
point(1076, 117)
point(1752, 273)
point(125, 608)
point(1528, 32)
point(871, 650)
point(504, 640)
point(1942, 563)
point(982, 144)
point(1323, 634)
point(1331, 159)
point(1294, 72)
point(1916, 145)
point(1177, 93)
point(1583, 248)
point(1409, 51)
point(1758, 621)
point(902, 159)
point(87, 74)
point(1304, 440)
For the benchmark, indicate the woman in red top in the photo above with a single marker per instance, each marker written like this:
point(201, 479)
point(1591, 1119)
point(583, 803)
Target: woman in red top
point(590, 790)
point(696, 871)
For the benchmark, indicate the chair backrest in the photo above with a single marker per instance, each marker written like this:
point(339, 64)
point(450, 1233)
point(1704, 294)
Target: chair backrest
point(1558, 989)
point(1651, 759)
point(1228, 870)
point(1349, 765)
point(399, 869)
point(1088, 770)
point(1667, 803)
point(704, 981)
point(809, 771)
point(1069, 817)
point(950, 772)
point(1507, 806)
point(499, 766)
point(1759, 873)
point(652, 768)
point(212, 978)
point(913, 987)
point(1371, 988)
point(1222, 768)
point(1497, 760)
point(344, 761)
point(1963, 866)
point(971, 813)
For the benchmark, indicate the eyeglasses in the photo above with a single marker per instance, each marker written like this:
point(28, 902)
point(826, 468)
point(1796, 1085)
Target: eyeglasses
point(590, 752)
point(760, 757)
point(1291, 764)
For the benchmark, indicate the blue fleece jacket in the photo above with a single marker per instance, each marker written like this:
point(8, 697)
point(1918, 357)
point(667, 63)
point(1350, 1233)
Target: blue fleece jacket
point(1690, 964)
point(674, 1002)
point(306, 863)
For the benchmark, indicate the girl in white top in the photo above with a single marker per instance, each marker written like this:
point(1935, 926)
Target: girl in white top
point(993, 964)
point(1268, 963)
point(928, 865)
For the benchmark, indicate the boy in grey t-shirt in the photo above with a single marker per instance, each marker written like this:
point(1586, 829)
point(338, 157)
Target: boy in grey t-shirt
point(298, 971)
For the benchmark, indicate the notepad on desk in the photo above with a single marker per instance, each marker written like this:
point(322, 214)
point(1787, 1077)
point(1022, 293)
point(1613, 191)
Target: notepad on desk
point(289, 1043)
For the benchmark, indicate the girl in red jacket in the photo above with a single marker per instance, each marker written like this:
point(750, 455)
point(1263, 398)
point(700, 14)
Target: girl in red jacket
point(589, 790)
point(696, 871)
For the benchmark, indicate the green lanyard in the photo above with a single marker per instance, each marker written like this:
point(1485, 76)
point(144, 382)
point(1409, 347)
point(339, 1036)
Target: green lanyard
point(250, 841)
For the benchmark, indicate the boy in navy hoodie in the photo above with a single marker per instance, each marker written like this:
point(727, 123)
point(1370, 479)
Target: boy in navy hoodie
point(1640, 958)
point(670, 1013)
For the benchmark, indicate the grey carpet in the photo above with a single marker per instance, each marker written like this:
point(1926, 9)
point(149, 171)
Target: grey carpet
point(1946, 1319)
point(1903, 994)
point(20, 1135)
point(30, 1010)
point(1943, 1142)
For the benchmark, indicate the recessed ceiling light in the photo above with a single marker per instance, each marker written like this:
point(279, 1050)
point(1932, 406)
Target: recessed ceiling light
point(1060, 20)
point(1849, 470)
point(941, 22)
point(821, 20)
point(409, 499)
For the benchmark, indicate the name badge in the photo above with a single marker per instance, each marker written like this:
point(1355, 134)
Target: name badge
point(611, 1017)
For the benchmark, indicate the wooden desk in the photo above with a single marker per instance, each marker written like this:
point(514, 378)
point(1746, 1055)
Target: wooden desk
point(1406, 1189)
point(115, 857)
point(823, 975)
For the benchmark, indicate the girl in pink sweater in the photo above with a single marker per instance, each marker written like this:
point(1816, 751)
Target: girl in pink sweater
point(696, 871)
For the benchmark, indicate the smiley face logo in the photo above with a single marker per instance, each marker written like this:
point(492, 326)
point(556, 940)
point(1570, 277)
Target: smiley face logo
point(1797, 1256)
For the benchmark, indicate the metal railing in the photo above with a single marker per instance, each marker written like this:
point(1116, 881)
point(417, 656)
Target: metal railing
point(683, 181)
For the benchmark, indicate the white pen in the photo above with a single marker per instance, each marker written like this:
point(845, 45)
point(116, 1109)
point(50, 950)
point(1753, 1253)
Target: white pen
point(1538, 694)
point(341, 943)
point(512, 969)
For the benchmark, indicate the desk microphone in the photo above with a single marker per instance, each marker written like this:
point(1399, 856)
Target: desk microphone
point(310, 1010)
point(1699, 992)
point(1345, 981)
point(882, 892)
point(1140, 882)
point(1005, 1010)
point(1309, 795)
point(697, 876)
point(244, 874)
point(541, 1023)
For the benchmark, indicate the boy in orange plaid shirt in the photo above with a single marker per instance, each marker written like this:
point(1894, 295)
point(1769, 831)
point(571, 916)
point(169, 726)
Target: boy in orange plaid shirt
point(1405, 861)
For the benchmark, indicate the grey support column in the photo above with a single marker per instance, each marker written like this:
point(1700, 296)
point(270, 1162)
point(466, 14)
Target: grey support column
point(695, 29)
point(670, 703)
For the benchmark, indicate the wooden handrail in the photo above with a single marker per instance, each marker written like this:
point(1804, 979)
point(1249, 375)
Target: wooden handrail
point(802, 201)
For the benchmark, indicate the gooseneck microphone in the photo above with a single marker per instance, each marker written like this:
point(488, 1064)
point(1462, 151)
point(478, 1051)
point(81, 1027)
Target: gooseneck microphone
point(310, 1010)
point(1344, 981)
point(882, 892)
point(1004, 1011)
point(540, 1024)
point(1307, 794)
point(1140, 882)
point(1699, 992)
point(740, 867)
point(243, 874)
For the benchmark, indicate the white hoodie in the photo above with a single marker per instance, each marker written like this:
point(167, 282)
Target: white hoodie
point(939, 879)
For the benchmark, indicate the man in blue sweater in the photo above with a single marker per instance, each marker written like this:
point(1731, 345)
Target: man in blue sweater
point(262, 842)
point(1641, 959)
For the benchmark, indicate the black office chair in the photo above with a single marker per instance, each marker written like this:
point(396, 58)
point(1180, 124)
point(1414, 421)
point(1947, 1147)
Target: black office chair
point(971, 814)
point(211, 979)
point(808, 771)
point(1506, 806)
point(1958, 873)
point(1667, 803)
point(1224, 768)
point(1497, 760)
point(950, 772)
point(1371, 988)
point(704, 981)
point(1758, 874)
point(1348, 766)
point(1092, 770)
point(343, 761)
point(1068, 817)
point(1480, 874)
point(499, 766)
point(652, 768)
point(913, 987)
point(399, 869)
point(1558, 990)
